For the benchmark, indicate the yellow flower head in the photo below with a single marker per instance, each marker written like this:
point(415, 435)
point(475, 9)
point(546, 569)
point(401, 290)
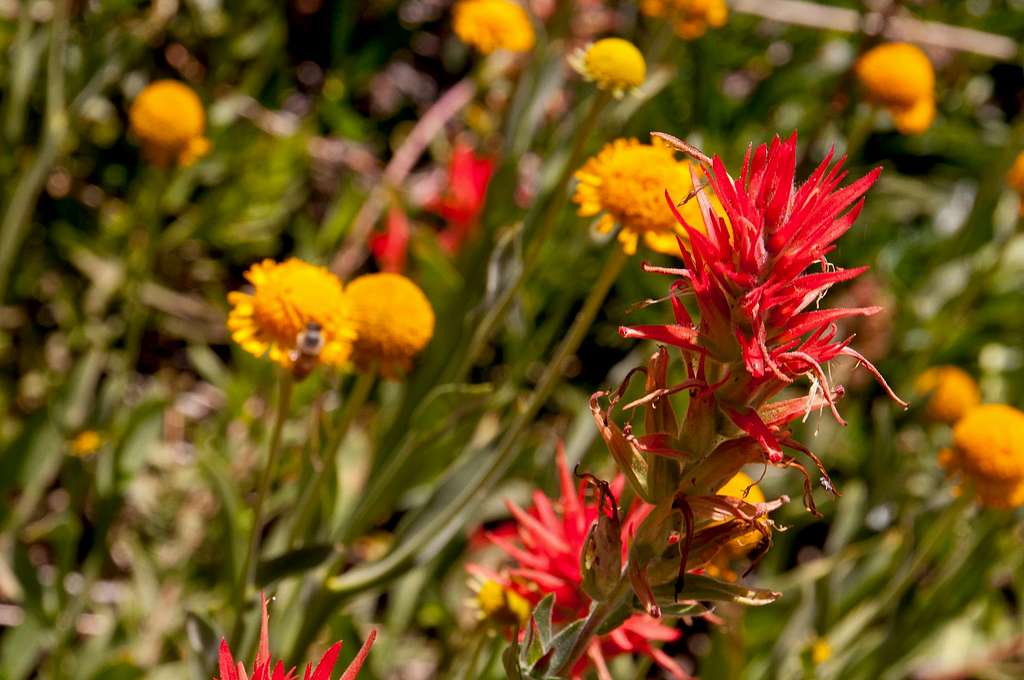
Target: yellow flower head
point(951, 392)
point(900, 77)
point(690, 18)
point(490, 25)
point(739, 484)
point(393, 320)
point(502, 605)
point(988, 449)
point(289, 300)
point(86, 443)
point(613, 63)
point(1015, 178)
point(625, 183)
point(169, 120)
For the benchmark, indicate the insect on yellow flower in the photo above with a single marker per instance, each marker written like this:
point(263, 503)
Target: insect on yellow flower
point(625, 184)
point(169, 121)
point(988, 449)
point(490, 25)
point(613, 63)
point(393, 320)
point(690, 18)
point(296, 310)
point(900, 77)
point(951, 392)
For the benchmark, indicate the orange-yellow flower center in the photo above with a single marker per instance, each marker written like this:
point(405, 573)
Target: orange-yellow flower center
point(951, 392)
point(900, 77)
point(169, 120)
point(490, 25)
point(988, 448)
point(690, 18)
point(613, 63)
point(393, 319)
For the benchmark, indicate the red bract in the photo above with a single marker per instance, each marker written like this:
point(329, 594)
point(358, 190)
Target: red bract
point(390, 248)
point(547, 553)
point(264, 668)
point(753, 274)
point(463, 197)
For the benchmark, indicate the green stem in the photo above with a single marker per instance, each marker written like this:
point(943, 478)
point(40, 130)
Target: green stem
point(245, 577)
point(598, 615)
point(558, 198)
point(360, 579)
point(18, 216)
point(482, 638)
point(368, 576)
point(311, 495)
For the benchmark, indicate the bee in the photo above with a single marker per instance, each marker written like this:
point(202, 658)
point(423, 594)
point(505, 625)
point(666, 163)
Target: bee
point(308, 345)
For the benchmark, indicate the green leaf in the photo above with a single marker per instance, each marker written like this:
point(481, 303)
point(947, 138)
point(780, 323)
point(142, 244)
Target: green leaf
point(291, 562)
point(697, 587)
point(562, 644)
point(542, 617)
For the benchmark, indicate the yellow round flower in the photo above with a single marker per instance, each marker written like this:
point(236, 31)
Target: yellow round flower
point(690, 18)
point(292, 300)
point(613, 63)
point(739, 484)
point(988, 449)
point(625, 183)
point(1015, 178)
point(951, 392)
point(900, 77)
point(502, 605)
point(169, 120)
point(393, 320)
point(86, 443)
point(490, 25)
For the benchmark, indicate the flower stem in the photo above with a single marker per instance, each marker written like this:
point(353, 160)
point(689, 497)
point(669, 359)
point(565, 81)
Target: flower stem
point(558, 198)
point(598, 614)
point(311, 494)
point(273, 453)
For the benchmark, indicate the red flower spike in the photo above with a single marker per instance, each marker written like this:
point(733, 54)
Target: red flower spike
point(752, 275)
point(264, 667)
point(550, 537)
point(462, 200)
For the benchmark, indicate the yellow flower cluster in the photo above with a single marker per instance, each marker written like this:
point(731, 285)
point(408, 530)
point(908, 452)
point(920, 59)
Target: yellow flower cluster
point(169, 121)
point(951, 393)
point(900, 77)
point(1015, 178)
point(739, 484)
point(613, 63)
point(690, 18)
point(490, 25)
point(625, 184)
point(988, 449)
point(380, 320)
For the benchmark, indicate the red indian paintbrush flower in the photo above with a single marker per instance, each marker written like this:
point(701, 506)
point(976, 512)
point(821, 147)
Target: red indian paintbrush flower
point(753, 274)
point(264, 668)
point(462, 200)
point(391, 246)
point(551, 537)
